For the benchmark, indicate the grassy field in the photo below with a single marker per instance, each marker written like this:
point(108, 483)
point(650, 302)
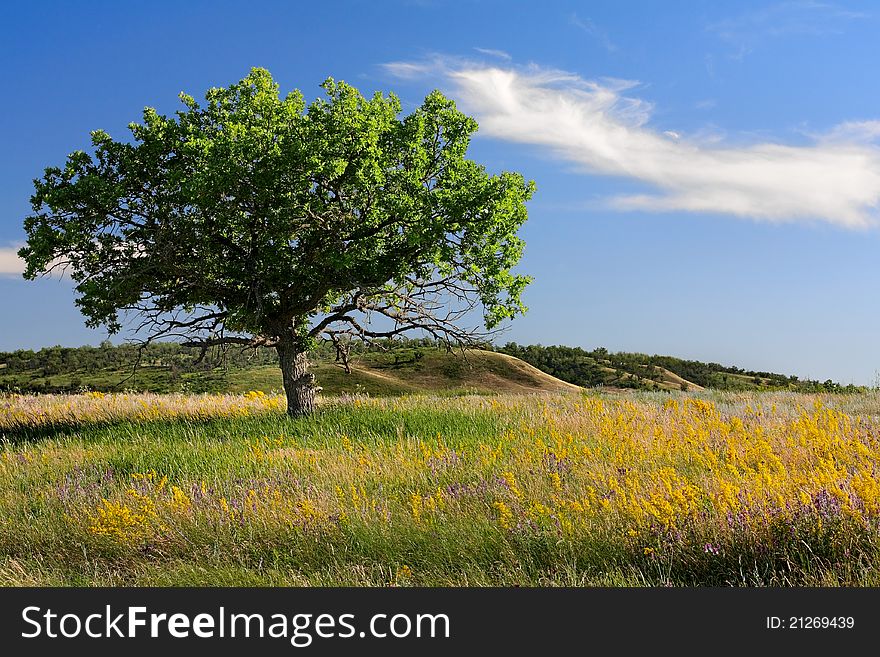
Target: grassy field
point(554, 489)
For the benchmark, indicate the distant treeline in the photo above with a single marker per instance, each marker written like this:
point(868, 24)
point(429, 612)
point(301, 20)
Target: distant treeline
point(52, 361)
point(79, 366)
point(633, 370)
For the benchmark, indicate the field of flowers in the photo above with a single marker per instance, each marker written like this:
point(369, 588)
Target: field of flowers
point(617, 489)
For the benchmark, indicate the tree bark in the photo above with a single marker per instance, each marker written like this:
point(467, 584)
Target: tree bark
point(299, 383)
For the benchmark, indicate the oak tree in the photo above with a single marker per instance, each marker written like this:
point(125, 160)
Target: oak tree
point(254, 219)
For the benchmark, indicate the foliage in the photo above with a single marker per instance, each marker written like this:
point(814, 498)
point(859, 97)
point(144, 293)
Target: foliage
point(253, 211)
point(255, 220)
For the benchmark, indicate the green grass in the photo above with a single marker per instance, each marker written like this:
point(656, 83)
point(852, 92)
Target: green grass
point(41, 544)
point(350, 496)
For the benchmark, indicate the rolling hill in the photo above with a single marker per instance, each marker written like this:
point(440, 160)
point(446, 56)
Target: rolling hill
point(402, 367)
point(397, 372)
point(601, 368)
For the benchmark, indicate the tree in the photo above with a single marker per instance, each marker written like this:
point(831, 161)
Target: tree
point(257, 220)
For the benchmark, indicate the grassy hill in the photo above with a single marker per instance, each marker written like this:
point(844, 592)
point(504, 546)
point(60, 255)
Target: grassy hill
point(600, 368)
point(400, 368)
point(399, 372)
point(396, 372)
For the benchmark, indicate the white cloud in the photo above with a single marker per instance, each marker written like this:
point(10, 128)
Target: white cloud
point(853, 132)
point(407, 70)
point(13, 266)
point(10, 263)
point(491, 52)
point(595, 125)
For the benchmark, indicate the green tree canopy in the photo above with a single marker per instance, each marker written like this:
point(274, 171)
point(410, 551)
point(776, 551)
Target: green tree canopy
point(252, 219)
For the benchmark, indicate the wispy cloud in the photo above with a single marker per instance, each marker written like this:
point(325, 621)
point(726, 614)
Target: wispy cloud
point(805, 17)
point(602, 127)
point(849, 131)
point(10, 263)
point(588, 26)
point(492, 52)
point(408, 70)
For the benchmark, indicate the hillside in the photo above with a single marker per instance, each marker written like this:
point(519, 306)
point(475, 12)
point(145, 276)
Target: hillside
point(396, 372)
point(405, 366)
point(400, 372)
point(601, 368)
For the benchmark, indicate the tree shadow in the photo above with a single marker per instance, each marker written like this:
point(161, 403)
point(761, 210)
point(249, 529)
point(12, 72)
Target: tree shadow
point(58, 430)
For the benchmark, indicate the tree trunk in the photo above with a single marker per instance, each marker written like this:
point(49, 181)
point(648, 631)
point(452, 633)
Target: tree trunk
point(299, 384)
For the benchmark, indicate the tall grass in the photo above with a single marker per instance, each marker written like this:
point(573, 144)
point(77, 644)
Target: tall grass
point(639, 489)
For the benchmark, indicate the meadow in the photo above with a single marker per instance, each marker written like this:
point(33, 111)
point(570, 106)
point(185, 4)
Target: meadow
point(570, 489)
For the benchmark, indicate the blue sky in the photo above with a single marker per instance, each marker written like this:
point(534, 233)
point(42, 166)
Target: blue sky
point(708, 174)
